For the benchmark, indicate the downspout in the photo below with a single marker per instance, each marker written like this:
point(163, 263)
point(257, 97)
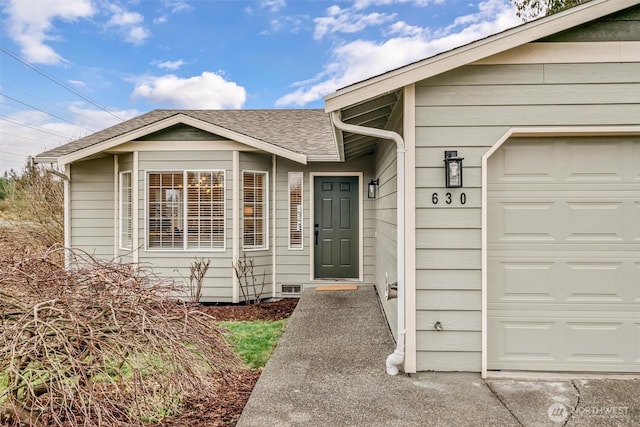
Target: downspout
point(395, 359)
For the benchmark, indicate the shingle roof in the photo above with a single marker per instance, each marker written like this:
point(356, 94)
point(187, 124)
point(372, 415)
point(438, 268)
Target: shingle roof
point(303, 131)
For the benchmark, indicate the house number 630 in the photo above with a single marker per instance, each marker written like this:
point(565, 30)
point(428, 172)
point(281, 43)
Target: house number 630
point(448, 198)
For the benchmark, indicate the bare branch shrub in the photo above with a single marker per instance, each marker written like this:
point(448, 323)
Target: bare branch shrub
point(244, 269)
point(100, 343)
point(35, 204)
point(198, 269)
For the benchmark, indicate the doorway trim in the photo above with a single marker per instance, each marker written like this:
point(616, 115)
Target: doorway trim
point(312, 177)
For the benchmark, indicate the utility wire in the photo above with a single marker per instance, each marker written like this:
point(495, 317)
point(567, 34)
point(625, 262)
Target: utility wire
point(43, 111)
point(39, 129)
point(20, 136)
point(59, 83)
point(12, 154)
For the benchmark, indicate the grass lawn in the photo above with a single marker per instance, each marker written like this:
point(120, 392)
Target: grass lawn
point(254, 341)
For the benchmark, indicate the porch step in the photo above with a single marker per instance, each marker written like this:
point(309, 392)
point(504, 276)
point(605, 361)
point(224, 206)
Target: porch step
point(337, 288)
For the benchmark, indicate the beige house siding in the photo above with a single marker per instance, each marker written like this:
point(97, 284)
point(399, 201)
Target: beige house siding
point(470, 109)
point(174, 264)
point(262, 258)
point(92, 207)
point(386, 221)
point(293, 266)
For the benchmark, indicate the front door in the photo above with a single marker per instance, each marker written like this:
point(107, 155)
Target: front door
point(336, 242)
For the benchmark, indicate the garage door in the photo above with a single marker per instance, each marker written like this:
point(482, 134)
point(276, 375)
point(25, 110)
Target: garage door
point(563, 289)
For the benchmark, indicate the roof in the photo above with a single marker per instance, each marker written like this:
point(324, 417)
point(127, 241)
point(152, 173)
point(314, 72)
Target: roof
point(295, 134)
point(396, 79)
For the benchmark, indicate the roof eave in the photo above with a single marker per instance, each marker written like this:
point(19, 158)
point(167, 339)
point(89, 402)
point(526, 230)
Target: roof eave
point(472, 52)
point(37, 159)
point(181, 118)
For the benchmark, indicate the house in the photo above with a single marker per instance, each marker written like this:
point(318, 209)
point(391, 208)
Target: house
point(522, 253)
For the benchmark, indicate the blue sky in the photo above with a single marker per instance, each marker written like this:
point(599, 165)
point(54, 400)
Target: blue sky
point(72, 67)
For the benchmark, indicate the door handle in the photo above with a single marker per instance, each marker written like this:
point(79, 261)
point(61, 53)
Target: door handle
point(315, 232)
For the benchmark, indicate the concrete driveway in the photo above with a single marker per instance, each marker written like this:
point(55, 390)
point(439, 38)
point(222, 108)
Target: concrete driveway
point(328, 370)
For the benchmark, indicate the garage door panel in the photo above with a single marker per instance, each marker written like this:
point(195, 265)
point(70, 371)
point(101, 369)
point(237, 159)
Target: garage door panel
point(524, 221)
point(636, 340)
point(596, 282)
point(596, 342)
point(595, 162)
point(582, 280)
point(556, 343)
point(523, 340)
point(635, 218)
point(563, 289)
point(522, 162)
point(602, 221)
point(521, 281)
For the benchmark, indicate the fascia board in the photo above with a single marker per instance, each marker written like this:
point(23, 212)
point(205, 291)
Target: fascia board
point(473, 52)
point(177, 119)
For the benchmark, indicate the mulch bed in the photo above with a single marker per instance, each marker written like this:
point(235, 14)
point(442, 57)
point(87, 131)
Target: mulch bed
point(269, 310)
point(226, 409)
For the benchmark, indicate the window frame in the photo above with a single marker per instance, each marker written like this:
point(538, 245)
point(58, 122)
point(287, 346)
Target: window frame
point(121, 209)
point(185, 216)
point(265, 212)
point(299, 246)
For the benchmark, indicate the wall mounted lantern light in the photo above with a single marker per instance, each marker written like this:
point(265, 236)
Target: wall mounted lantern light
point(373, 189)
point(453, 169)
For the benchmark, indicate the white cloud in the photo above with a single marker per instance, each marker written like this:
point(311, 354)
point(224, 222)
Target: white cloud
point(207, 91)
point(362, 59)
point(129, 24)
point(272, 5)
point(30, 24)
point(363, 4)
point(78, 83)
point(44, 132)
point(170, 65)
point(176, 6)
point(340, 20)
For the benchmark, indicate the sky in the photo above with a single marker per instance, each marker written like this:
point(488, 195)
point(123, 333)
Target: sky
point(69, 68)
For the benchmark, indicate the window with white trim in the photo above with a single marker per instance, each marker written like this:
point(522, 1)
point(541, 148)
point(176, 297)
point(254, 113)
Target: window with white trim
point(295, 210)
point(126, 211)
point(254, 210)
point(186, 210)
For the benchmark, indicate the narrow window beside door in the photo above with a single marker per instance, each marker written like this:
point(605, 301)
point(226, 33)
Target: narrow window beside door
point(126, 212)
point(295, 210)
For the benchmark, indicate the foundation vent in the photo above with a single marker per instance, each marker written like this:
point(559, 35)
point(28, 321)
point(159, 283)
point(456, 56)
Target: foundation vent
point(290, 289)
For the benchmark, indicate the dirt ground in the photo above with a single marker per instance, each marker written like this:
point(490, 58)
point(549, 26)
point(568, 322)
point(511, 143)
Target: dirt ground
point(226, 409)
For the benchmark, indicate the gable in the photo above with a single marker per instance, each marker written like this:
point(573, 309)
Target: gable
point(620, 26)
point(589, 13)
point(182, 132)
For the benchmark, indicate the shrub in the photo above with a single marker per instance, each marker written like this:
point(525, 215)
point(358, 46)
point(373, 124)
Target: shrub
point(100, 343)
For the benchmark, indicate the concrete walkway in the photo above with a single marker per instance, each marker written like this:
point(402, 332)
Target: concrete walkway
point(328, 370)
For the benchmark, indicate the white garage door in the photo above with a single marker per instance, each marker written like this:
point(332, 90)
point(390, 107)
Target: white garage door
point(563, 289)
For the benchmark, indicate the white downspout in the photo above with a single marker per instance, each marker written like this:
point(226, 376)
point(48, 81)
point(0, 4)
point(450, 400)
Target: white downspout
point(395, 359)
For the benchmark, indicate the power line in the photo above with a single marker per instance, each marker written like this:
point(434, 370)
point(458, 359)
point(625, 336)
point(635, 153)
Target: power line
point(43, 111)
point(39, 129)
point(12, 154)
point(20, 136)
point(59, 83)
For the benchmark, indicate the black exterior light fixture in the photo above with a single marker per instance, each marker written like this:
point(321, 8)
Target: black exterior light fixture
point(373, 188)
point(453, 169)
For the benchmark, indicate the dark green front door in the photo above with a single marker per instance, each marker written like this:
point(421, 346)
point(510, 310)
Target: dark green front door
point(336, 227)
